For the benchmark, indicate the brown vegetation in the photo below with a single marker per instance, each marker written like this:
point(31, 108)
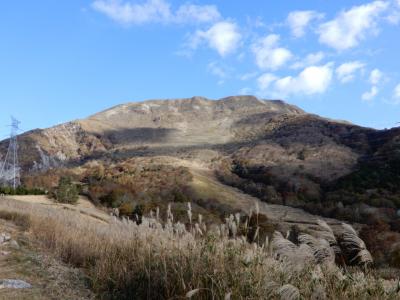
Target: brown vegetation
point(124, 260)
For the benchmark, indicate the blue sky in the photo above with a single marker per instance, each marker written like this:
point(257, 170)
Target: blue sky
point(64, 60)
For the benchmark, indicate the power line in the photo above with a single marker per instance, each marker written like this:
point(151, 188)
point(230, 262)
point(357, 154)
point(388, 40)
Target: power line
point(10, 170)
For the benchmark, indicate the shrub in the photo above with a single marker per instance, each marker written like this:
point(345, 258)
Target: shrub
point(126, 209)
point(116, 198)
point(395, 256)
point(66, 191)
point(21, 190)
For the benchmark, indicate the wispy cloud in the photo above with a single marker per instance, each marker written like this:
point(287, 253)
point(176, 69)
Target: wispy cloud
point(396, 94)
point(221, 72)
point(265, 81)
point(350, 27)
point(346, 72)
point(155, 11)
point(311, 59)
point(394, 16)
point(298, 21)
point(198, 13)
point(370, 95)
point(245, 91)
point(375, 78)
point(248, 76)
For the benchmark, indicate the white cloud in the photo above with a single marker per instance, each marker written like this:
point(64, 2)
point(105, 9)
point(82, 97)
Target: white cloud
point(311, 81)
point(351, 26)
point(311, 59)
point(155, 11)
point(375, 77)
point(394, 16)
point(346, 72)
point(396, 92)
point(223, 36)
point(268, 54)
point(248, 76)
point(244, 91)
point(199, 13)
point(299, 20)
point(368, 96)
point(132, 13)
point(265, 80)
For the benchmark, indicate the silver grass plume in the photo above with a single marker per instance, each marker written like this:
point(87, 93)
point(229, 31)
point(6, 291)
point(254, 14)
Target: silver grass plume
point(189, 212)
point(321, 249)
point(281, 246)
point(289, 292)
point(329, 235)
point(198, 230)
point(237, 218)
point(354, 246)
point(295, 257)
point(191, 293)
point(256, 234)
point(170, 216)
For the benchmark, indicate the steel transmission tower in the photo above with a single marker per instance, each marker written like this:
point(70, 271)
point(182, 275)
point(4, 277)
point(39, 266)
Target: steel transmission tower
point(10, 170)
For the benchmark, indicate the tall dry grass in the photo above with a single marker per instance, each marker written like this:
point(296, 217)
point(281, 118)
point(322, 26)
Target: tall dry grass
point(174, 261)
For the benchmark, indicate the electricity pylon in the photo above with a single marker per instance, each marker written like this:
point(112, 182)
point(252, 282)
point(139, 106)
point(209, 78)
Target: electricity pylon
point(10, 170)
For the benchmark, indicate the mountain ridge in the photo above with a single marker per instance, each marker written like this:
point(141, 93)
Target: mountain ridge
point(194, 121)
point(298, 151)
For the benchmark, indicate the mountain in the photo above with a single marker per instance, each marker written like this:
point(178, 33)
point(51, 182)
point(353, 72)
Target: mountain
point(224, 154)
point(267, 142)
point(156, 124)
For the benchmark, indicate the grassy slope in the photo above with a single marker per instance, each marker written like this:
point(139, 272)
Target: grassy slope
point(125, 261)
point(49, 278)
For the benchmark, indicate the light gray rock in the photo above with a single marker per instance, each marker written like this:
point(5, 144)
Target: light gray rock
point(4, 237)
point(14, 284)
point(14, 244)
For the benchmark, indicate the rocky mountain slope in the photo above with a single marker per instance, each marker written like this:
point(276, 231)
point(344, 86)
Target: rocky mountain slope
point(267, 142)
point(164, 125)
point(200, 149)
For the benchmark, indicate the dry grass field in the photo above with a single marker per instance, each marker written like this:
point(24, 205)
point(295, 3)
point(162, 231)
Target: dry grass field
point(161, 259)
